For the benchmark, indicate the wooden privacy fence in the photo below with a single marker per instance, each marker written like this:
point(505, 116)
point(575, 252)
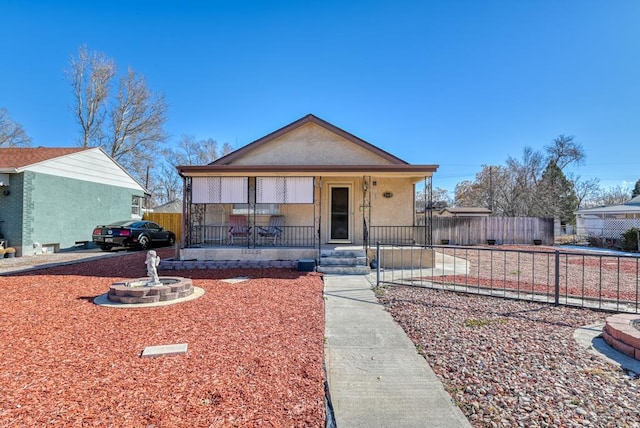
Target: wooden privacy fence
point(504, 230)
point(170, 221)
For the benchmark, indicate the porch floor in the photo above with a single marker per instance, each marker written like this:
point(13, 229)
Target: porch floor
point(225, 256)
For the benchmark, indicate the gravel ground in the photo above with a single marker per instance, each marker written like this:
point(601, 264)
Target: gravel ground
point(41, 261)
point(515, 364)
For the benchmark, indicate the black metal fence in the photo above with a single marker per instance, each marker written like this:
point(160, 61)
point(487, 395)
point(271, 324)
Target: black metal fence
point(256, 236)
point(596, 280)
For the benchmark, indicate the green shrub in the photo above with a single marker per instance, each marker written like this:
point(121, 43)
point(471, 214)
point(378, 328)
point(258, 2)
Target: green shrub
point(630, 239)
point(594, 241)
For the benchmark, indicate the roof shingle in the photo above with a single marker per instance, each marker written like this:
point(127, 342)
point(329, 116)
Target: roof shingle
point(13, 157)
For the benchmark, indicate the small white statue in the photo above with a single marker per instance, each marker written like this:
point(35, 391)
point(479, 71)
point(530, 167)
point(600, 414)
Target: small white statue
point(152, 262)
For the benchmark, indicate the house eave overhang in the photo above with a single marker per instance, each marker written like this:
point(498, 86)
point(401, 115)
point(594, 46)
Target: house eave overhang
point(394, 170)
point(614, 209)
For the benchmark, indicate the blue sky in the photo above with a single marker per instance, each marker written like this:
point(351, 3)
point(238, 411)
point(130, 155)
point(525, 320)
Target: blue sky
point(459, 83)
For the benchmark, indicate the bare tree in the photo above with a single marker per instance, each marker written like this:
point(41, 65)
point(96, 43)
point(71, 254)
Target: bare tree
point(586, 190)
point(195, 152)
point(90, 76)
point(520, 188)
point(188, 151)
point(12, 133)
point(128, 126)
point(439, 198)
point(136, 124)
point(612, 196)
point(564, 150)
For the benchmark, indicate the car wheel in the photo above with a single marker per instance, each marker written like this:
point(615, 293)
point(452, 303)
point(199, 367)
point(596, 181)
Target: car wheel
point(105, 248)
point(143, 242)
point(171, 241)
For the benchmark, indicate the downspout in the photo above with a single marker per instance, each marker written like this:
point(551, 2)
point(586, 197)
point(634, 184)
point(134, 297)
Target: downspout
point(186, 210)
point(251, 209)
point(430, 184)
point(366, 210)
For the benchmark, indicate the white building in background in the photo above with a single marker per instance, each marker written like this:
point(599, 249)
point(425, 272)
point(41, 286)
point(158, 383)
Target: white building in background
point(608, 222)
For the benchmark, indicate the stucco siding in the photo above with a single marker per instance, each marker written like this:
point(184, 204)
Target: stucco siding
point(297, 215)
point(310, 145)
point(396, 210)
point(63, 210)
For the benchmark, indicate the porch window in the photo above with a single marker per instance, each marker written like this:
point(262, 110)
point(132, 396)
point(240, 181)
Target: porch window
point(284, 190)
point(260, 209)
point(220, 190)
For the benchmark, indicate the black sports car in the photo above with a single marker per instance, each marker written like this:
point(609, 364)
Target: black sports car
point(132, 233)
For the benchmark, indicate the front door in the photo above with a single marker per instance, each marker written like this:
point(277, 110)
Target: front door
point(339, 217)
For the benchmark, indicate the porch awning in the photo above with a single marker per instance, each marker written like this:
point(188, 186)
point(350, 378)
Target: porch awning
point(396, 170)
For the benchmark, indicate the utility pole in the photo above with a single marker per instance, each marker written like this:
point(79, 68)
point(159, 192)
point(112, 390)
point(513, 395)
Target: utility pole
point(491, 188)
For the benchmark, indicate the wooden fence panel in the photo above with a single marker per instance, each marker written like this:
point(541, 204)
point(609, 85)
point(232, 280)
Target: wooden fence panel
point(504, 230)
point(170, 221)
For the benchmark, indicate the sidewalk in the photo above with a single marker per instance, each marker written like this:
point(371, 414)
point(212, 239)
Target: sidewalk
point(376, 377)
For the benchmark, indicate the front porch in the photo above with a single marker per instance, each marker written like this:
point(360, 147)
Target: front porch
point(251, 256)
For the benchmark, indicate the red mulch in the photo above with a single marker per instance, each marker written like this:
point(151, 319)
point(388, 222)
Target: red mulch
point(254, 355)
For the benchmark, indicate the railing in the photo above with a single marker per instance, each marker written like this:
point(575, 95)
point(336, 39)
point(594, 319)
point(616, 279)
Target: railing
point(602, 281)
point(291, 236)
point(398, 235)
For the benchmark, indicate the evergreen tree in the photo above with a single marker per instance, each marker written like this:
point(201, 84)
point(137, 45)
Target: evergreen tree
point(636, 190)
point(555, 195)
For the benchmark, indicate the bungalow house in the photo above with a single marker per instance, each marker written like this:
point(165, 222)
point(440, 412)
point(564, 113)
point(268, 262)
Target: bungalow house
point(304, 187)
point(608, 222)
point(52, 198)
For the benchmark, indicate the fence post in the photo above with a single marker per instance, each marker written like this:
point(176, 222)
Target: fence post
point(377, 263)
point(557, 278)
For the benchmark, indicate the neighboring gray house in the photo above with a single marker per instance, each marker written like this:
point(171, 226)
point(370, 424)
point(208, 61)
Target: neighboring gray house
point(609, 221)
point(174, 206)
point(464, 212)
point(56, 196)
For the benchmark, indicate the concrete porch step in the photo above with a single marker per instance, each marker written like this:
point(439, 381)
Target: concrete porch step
point(348, 261)
point(343, 262)
point(343, 253)
point(344, 270)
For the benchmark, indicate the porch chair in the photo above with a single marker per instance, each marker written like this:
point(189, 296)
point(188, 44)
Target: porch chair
point(238, 227)
point(274, 230)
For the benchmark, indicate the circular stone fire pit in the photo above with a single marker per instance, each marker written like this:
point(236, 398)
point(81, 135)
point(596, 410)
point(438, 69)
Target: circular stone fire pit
point(622, 333)
point(136, 291)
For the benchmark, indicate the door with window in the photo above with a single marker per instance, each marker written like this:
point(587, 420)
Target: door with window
point(339, 216)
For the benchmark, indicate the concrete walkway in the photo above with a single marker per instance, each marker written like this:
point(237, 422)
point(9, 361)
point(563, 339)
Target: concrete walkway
point(376, 377)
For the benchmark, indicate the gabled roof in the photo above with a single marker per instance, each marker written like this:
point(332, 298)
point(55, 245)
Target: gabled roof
point(70, 162)
point(14, 158)
point(633, 201)
point(174, 206)
point(225, 160)
point(611, 209)
point(379, 163)
point(631, 206)
point(468, 210)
